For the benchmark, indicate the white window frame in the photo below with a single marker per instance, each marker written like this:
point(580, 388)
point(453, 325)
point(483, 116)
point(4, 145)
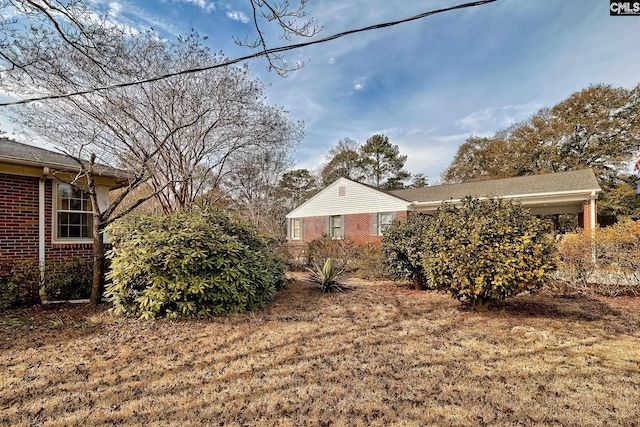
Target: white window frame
point(382, 226)
point(295, 228)
point(55, 217)
point(332, 226)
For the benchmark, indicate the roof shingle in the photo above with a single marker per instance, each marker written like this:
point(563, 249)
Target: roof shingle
point(17, 152)
point(583, 180)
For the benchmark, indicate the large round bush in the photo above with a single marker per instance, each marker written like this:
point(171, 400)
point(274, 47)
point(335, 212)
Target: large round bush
point(189, 263)
point(403, 246)
point(486, 250)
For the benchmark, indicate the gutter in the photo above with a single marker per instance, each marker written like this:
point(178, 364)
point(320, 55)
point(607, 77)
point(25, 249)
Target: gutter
point(64, 167)
point(590, 193)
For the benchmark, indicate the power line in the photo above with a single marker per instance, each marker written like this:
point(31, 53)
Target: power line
point(255, 55)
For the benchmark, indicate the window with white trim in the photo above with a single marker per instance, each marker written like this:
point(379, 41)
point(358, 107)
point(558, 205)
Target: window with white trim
point(384, 221)
point(296, 229)
point(74, 214)
point(336, 229)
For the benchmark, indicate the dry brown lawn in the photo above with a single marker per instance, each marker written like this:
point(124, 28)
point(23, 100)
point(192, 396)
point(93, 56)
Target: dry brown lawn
point(380, 354)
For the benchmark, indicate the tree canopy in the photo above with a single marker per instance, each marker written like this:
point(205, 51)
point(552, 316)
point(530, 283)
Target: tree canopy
point(597, 127)
point(181, 137)
point(382, 163)
point(344, 162)
point(377, 162)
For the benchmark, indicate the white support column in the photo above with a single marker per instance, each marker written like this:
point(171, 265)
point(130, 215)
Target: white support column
point(592, 212)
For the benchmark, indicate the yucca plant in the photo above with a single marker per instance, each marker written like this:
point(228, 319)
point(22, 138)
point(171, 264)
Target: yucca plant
point(328, 277)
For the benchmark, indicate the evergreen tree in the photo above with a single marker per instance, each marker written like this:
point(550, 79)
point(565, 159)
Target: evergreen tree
point(382, 163)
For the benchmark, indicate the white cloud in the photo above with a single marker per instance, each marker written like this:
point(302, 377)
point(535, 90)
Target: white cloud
point(203, 4)
point(238, 16)
point(475, 119)
point(331, 61)
point(130, 17)
point(114, 9)
point(496, 118)
point(358, 86)
point(154, 21)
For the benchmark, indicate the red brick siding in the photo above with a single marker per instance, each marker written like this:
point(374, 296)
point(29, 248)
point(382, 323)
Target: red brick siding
point(313, 227)
point(59, 251)
point(19, 221)
point(18, 216)
point(584, 217)
point(357, 228)
point(402, 215)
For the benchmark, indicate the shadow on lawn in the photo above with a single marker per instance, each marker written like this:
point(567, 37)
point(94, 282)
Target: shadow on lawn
point(34, 327)
point(332, 342)
point(572, 309)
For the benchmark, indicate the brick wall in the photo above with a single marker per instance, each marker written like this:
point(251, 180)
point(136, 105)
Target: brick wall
point(313, 227)
point(357, 227)
point(19, 221)
point(18, 216)
point(584, 217)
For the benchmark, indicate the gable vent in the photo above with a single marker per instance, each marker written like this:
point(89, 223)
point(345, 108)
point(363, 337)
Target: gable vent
point(342, 190)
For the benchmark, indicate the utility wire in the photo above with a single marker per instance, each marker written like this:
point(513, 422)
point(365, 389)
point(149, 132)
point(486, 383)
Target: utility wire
point(255, 55)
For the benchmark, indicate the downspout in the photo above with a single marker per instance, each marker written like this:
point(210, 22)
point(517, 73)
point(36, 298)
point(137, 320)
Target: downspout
point(41, 223)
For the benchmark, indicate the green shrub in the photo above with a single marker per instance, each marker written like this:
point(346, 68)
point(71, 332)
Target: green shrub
point(403, 245)
point(69, 279)
point(328, 276)
point(369, 262)
point(341, 251)
point(189, 263)
point(487, 250)
point(19, 282)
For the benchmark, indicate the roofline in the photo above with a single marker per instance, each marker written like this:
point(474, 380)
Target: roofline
point(590, 192)
point(290, 214)
point(24, 162)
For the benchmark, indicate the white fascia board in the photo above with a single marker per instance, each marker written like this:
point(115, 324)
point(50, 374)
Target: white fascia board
point(581, 193)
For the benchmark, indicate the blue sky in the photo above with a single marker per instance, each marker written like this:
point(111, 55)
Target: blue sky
point(429, 84)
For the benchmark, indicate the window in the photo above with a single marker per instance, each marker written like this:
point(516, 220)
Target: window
point(336, 227)
point(296, 228)
point(74, 215)
point(384, 221)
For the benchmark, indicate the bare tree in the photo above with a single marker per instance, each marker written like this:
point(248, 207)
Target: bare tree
point(293, 21)
point(252, 187)
point(179, 136)
point(78, 25)
point(343, 161)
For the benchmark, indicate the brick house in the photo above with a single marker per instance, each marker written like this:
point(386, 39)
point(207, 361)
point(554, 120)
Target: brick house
point(41, 216)
point(350, 209)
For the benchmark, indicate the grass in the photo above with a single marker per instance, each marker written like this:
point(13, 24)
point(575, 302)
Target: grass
point(380, 354)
